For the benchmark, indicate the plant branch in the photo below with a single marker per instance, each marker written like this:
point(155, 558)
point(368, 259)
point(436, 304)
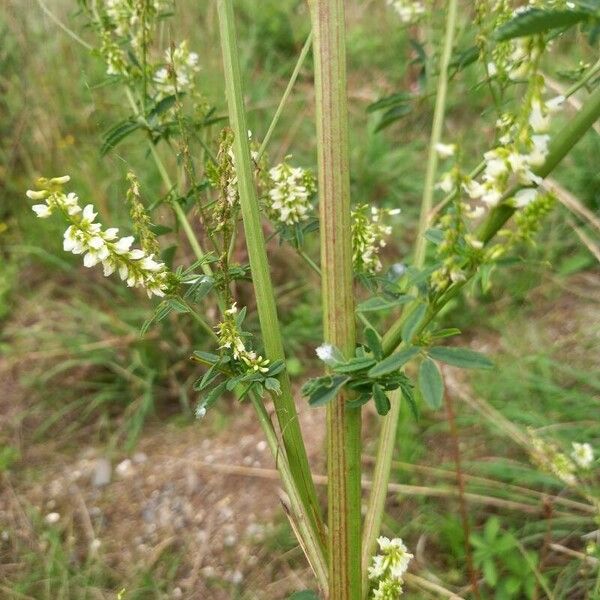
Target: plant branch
point(265, 297)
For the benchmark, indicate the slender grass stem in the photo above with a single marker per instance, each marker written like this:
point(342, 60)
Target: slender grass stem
point(343, 424)
point(265, 297)
point(385, 451)
point(436, 134)
point(311, 544)
point(286, 94)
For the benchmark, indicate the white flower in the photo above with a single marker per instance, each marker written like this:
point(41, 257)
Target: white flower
point(583, 455)
point(539, 121)
point(525, 197)
point(445, 150)
point(41, 210)
point(555, 104)
point(325, 352)
point(37, 195)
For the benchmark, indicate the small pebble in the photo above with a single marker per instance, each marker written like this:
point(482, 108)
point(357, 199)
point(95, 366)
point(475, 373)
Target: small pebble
point(52, 518)
point(102, 473)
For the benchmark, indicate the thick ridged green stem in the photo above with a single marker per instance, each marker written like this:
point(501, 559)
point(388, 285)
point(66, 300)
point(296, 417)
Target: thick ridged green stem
point(343, 424)
point(387, 439)
point(265, 296)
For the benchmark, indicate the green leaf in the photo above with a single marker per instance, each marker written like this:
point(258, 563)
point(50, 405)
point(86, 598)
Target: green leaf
point(444, 333)
point(377, 303)
point(214, 395)
point(392, 101)
point(160, 229)
point(324, 394)
point(208, 378)
point(207, 357)
point(177, 305)
point(435, 236)
point(461, 357)
point(412, 322)
point(409, 396)
point(304, 595)
point(354, 365)
point(168, 255)
point(161, 312)
point(117, 134)
point(358, 401)
point(489, 572)
point(393, 363)
point(431, 384)
point(374, 342)
point(273, 385)
point(163, 106)
point(537, 20)
point(275, 368)
point(382, 402)
point(464, 58)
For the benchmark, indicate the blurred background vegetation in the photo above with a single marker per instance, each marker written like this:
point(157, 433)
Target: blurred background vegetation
point(79, 383)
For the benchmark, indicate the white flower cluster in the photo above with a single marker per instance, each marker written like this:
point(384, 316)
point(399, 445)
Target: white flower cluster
point(408, 10)
point(125, 16)
point(98, 245)
point(177, 76)
point(582, 455)
point(290, 192)
point(550, 458)
point(513, 163)
point(388, 567)
point(368, 236)
point(230, 339)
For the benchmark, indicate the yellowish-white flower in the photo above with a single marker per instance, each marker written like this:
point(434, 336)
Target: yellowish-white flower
point(230, 339)
point(177, 75)
point(369, 233)
point(289, 195)
point(582, 455)
point(97, 245)
point(445, 150)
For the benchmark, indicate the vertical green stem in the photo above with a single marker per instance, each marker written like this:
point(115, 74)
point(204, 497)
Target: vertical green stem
point(436, 134)
point(265, 297)
point(343, 424)
point(387, 440)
